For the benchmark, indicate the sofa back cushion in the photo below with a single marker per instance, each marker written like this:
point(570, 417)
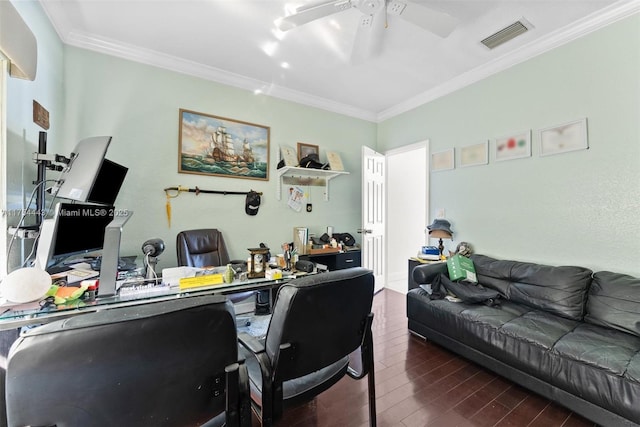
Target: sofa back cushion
point(614, 301)
point(558, 290)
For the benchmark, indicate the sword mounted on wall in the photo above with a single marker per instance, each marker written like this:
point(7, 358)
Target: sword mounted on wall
point(252, 201)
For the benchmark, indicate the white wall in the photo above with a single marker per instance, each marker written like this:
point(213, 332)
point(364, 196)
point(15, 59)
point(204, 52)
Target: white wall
point(577, 208)
point(407, 209)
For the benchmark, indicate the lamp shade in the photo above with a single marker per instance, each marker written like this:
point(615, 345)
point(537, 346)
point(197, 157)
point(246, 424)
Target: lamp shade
point(440, 228)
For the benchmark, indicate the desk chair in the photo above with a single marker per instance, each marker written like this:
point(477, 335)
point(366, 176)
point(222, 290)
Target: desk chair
point(206, 248)
point(318, 322)
point(171, 363)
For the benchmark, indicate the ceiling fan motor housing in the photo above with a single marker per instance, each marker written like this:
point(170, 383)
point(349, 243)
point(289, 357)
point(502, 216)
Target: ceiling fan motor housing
point(370, 7)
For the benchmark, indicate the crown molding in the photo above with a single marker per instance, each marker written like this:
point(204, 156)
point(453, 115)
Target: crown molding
point(589, 24)
point(597, 20)
point(183, 66)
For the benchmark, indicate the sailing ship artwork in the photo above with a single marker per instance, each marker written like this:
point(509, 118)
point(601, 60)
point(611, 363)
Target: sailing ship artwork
point(212, 145)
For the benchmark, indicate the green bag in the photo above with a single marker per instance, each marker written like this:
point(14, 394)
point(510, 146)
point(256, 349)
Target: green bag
point(461, 267)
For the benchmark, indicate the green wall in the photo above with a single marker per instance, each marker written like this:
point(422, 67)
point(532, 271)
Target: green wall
point(576, 208)
point(139, 106)
point(22, 133)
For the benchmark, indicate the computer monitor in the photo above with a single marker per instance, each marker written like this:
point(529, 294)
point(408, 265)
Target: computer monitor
point(89, 177)
point(108, 183)
point(75, 230)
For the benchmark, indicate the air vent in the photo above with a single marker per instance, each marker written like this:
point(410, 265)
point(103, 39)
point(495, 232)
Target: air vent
point(506, 34)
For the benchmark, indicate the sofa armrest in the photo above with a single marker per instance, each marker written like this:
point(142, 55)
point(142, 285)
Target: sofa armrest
point(425, 273)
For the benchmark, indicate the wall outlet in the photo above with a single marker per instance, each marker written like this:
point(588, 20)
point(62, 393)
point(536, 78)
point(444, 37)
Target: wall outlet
point(440, 213)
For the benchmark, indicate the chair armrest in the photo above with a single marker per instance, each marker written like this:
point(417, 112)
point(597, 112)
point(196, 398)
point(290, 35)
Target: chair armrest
point(425, 273)
point(238, 400)
point(361, 360)
point(251, 343)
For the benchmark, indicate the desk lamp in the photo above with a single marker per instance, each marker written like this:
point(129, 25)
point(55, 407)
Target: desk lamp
point(440, 229)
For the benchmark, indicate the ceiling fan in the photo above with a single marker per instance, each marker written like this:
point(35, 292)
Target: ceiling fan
point(373, 20)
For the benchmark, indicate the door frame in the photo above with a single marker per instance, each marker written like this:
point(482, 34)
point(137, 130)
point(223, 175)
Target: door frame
point(401, 183)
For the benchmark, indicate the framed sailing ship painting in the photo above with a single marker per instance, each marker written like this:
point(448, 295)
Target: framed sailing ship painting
point(218, 146)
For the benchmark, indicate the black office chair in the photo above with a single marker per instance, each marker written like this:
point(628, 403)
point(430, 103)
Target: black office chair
point(172, 363)
point(206, 248)
point(317, 323)
point(202, 248)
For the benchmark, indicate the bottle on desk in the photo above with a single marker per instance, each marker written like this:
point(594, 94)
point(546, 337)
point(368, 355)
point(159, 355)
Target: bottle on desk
point(229, 274)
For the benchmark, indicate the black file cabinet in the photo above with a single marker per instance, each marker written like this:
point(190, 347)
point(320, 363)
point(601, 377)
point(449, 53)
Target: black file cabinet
point(337, 261)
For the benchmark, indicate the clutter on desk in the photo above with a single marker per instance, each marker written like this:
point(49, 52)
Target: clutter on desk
point(25, 285)
point(64, 294)
point(257, 262)
point(430, 253)
point(300, 239)
point(333, 242)
point(251, 204)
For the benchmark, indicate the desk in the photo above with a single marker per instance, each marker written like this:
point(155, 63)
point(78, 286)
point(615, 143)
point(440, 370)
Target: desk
point(336, 260)
point(11, 319)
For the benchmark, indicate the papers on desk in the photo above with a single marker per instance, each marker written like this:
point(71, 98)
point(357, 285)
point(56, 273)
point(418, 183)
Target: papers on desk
point(204, 280)
point(171, 276)
point(78, 273)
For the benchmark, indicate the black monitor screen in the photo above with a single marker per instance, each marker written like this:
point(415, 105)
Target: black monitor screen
point(108, 182)
point(79, 229)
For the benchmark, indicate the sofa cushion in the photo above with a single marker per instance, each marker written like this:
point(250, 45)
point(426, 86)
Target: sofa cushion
point(560, 290)
point(600, 365)
point(539, 328)
point(614, 301)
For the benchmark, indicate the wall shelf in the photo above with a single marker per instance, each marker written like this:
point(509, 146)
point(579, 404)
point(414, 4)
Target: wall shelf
point(306, 176)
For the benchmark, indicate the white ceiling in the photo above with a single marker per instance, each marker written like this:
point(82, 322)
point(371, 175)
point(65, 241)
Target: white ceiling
point(236, 42)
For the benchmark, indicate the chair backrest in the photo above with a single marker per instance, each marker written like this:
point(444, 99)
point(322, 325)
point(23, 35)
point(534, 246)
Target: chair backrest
point(201, 248)
point(322, 316)
point(160, 364)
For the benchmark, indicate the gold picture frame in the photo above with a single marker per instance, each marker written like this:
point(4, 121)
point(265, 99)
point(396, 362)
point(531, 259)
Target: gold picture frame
point(218, 146)
point(305, 149)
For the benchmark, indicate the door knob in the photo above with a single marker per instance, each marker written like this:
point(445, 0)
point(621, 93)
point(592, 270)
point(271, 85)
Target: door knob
point(364, 230)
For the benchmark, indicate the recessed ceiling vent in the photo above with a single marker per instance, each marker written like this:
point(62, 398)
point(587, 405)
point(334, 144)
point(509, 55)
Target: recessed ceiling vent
point(506, 34)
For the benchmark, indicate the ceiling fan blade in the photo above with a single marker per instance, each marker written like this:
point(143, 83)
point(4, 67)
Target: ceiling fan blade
point(439, 23)
point(368, 41)
point(307, 14)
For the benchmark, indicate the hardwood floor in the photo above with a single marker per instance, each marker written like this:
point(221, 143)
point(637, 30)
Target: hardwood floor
point(419, 383)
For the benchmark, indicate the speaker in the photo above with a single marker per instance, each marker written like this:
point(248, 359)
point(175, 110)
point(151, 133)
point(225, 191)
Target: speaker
point(305, 266)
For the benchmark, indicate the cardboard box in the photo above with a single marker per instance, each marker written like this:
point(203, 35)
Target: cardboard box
point(461, 267)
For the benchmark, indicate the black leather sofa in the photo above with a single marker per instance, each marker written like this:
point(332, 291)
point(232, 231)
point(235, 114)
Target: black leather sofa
point(566, 333)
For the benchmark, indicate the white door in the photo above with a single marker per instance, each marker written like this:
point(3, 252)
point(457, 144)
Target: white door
point(373, 214)
point(3, 171)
